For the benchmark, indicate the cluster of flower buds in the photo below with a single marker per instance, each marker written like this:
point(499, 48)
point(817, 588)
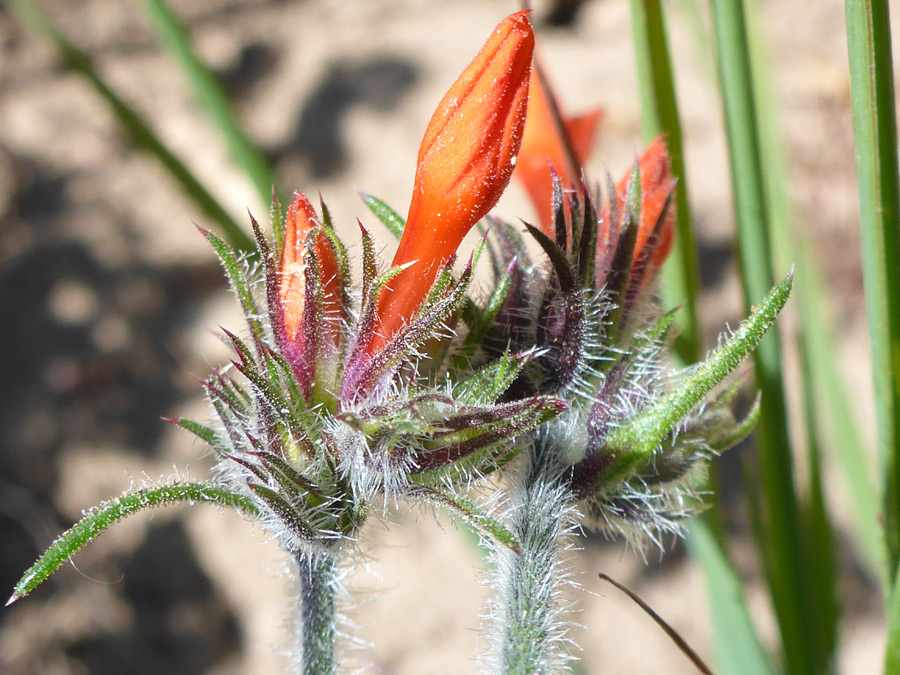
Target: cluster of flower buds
point(335, 403)
point(345, 395)
point(353, 392)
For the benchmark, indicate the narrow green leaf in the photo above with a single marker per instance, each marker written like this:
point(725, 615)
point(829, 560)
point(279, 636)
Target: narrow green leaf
point(738, 433)
point(277, 218)
point(285, 511)
point(634, 442)
point(821, 561)
point(828, 409)
point(224, 391)
point(204, 433)
point(836, 429)
point(101, 517)
point(273, 397)
point(343, 261)
point(491, 307)
point(369, 268)
point(659, 113)
point(658, 331)
point(280, 371)
point(738, 649)
point(489, 382)
point(492, 443)
point(479, 321)
point(138, 130)
point(440, 287)
point(892, 651)
point(878, 179)
point(818, 547)
point(781, 548)
point(290, 478)
point(209, 94)
point(696, 20)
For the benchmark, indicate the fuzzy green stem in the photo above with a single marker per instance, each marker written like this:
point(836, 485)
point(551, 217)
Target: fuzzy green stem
point(529, 629)
point(318, 582)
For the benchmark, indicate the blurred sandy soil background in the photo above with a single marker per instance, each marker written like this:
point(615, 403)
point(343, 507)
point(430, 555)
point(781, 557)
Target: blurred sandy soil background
point(109, 299)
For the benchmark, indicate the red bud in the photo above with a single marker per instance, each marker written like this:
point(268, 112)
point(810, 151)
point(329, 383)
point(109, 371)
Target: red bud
point(301, 329)
point(465, 162)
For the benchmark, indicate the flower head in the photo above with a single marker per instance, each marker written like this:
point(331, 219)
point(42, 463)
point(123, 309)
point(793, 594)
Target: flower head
point(613, 256)
point(465, 161)
point(624, 451)
point(543, 148)
point(324, 412)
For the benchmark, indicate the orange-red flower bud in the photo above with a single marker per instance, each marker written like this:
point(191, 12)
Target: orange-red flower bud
point(543, 147)
point(465, 162)
point(292, 269)
point(657, 184)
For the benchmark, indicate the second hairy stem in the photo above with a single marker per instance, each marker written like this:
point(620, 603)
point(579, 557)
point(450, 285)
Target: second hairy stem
point(529, 626)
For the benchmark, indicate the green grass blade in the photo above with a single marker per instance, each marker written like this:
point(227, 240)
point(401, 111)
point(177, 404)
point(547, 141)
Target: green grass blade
point(875, 133)
point(209, 94)
point(827, 407)
point(828, 410)
point(738, 648)
point(138, 130)
point(659, 111)
point(813, 340)
point(829, 421)
point(781, 528)
point(98, 519)
point(892, 651)
point(836, 429)
point(821, 555)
